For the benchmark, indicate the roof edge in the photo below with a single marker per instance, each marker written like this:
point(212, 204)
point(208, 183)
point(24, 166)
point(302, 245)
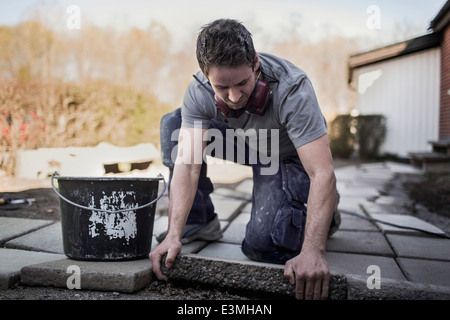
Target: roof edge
point(442, 19)
point(395, 50)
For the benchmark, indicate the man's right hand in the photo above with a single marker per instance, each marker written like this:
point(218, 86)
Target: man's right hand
point(172, 248)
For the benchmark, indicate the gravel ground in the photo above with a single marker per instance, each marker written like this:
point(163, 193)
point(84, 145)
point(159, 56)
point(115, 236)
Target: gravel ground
point(155, 291)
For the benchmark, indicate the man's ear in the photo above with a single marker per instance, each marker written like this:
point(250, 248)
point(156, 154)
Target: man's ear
point(256, 63)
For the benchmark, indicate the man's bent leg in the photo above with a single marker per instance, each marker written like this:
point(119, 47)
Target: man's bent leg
point(275, 231)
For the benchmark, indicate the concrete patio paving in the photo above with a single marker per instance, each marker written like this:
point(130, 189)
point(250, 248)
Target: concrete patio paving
point(411, 264)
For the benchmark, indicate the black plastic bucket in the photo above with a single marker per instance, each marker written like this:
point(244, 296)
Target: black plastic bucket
point(107, 218)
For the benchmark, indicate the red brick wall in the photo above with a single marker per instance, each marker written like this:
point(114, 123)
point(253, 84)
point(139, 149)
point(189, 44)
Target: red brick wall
point(444, 119)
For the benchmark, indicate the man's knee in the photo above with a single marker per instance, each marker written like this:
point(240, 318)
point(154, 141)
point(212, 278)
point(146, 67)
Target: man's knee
point(170, 123)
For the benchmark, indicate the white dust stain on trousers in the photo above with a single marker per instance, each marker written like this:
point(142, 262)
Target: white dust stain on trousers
point(118, 224)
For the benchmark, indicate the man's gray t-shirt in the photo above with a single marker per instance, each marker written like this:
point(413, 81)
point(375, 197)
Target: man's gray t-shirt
point(294, 110)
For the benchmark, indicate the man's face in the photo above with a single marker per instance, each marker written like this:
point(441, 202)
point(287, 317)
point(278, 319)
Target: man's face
point(233, 85)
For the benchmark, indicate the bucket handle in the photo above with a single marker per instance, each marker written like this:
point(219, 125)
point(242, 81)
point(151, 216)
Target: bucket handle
point(104, 210)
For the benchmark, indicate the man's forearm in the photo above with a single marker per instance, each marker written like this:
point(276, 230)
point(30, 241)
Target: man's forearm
point(182, 192)
point(321, 205)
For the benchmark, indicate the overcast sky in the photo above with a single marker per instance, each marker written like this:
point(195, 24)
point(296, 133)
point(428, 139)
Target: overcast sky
point(265, 18)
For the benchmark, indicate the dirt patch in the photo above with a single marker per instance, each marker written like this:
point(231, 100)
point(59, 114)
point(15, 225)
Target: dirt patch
point(44, 204)
point(433, 192)
point(427, 197)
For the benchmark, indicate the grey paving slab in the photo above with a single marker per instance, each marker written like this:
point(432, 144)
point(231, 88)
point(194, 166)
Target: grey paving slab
point(160, 225)
point(376, 180)
point(225, 251)
point(353, 223)
point(351, 203)
point(360, 191)
point(245, 186)
point(420, 247)
point(120, 276)
point(371, 166)
point(192, 247)
point(395, 201)
point(47, 239)
point(15, 227)
point(426, 271)
point(242, 218)
point(395, 167)
point(235, 232)
point(226, 208)
point(346, 173)
point(12, 261)
point(364, 242)
point(357, 264)
point(233, 194)
point(247, 208)
point(374, 208)
point(406, 221)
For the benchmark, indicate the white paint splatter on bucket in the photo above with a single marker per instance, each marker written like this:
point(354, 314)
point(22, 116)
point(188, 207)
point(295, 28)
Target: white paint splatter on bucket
point(114, 225)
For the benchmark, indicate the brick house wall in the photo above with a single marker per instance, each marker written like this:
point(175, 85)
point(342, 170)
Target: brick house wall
point(444, 119)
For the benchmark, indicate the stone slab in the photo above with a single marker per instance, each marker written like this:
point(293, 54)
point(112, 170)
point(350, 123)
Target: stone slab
point(371, 166)
point(160, 225)
point(347, 173)
point(233, 194)
point(235, 232)
point(246, 187)
point(359, 191)
point(391, 200)
point(12, 261)
point(251, 276)
point(120, 276)
point(426, 271)
point(406, 221)
point(47, 239)
point(225, 251)
point(353, 204)
point(420, 247)
point(395, 167)
point(364, 242)
point(374, 208)
point(247, 208)
point(192, 247)
point(226, 208)
point(354, 223)
point(243, 217)
point(349, 263)
point(15, 227)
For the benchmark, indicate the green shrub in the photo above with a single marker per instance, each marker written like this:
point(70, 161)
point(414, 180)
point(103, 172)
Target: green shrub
point(365, 131)
point(341, 138)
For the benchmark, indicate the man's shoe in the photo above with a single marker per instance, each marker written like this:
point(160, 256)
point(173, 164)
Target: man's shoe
point(209, 231)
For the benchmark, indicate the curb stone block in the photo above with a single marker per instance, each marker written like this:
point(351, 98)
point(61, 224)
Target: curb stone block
point(394, 290)
point(259, 277)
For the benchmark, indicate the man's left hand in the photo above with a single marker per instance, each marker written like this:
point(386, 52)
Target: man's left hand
point(310, 274)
